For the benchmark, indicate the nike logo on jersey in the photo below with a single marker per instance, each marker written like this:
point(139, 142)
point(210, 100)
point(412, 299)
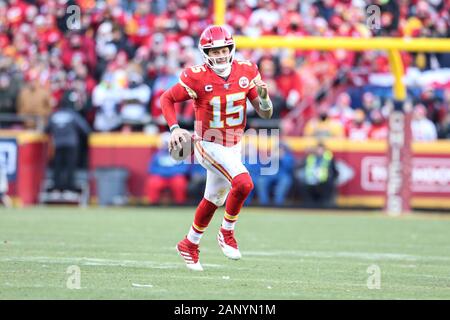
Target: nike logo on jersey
point(208, 88)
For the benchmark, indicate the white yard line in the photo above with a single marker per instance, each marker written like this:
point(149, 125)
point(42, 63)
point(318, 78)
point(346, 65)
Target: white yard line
point(101, 262)
point(280, 254)
point(344, 254)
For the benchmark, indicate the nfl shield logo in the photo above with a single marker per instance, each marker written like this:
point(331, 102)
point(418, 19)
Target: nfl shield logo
point(226, 86)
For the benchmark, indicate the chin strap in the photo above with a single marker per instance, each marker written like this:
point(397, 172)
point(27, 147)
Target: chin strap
point(223, 73)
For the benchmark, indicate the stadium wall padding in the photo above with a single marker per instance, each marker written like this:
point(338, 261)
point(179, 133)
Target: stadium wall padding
point(26, 155)
point(362, 166)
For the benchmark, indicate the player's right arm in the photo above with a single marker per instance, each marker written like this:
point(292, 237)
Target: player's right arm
point(184, 90)
point(177, 93)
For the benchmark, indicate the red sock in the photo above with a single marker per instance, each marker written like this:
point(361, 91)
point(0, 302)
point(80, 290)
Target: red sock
point(203, 216)
point(241, 186)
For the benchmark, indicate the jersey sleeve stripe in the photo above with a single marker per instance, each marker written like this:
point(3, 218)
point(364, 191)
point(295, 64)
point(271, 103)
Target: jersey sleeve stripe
point(191, 92)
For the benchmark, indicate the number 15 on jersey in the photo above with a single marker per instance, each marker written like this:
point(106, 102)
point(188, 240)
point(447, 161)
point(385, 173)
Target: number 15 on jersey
point(234, 113)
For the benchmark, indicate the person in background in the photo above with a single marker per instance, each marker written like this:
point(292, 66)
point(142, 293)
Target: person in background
point(166, 173)
point(280, 182)
point(135, 100)
point(289, 82)
point(317, 174)
point(432, 103)
point(65, 126)
point(423, 129)
point(342, 110)
point(370, 102)
point(8, 94)
point(252, 162)
point(322, 126)
point(10, 84)
point(5, 200)
point(379, 127)
point(444, 127)
point(358, 128)
point(197, 179)
point(34, 99)
point(106, 98)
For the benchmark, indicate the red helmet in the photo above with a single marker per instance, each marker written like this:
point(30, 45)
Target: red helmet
point(216, 37)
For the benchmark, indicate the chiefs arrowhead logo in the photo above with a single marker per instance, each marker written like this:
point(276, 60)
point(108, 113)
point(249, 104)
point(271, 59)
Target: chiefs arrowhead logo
point(244, 82)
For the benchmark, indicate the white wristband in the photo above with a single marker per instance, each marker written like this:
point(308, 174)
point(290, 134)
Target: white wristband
point(173, 127)
point(265, 104)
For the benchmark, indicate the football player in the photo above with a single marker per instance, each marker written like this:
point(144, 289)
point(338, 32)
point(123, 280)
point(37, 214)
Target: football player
point(220, 88)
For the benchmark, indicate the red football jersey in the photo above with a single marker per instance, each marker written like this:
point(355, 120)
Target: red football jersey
point(221, 104)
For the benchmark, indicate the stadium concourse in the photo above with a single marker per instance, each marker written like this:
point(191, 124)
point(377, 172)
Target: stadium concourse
point(124, 54)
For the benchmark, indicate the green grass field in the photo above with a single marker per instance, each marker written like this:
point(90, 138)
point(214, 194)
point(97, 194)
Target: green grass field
point(287, 254)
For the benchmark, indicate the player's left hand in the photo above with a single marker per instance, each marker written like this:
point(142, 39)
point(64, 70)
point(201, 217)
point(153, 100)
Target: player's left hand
point(262, 88)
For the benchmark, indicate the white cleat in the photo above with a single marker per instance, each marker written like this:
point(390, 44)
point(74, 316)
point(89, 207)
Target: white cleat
point(228, 244)
point(189, 252)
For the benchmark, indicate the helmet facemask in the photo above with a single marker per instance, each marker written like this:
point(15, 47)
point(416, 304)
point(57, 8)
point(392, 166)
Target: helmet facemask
point(212, 62)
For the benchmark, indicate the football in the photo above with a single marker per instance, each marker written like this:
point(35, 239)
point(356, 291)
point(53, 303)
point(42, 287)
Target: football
point(186, 148)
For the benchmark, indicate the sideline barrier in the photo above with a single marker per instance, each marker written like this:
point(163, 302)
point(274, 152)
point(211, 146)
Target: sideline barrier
point(24, 153)
point(362, 167)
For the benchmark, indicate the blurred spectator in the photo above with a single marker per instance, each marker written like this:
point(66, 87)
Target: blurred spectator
point(423, 129)
point(370, 102)
point(197, 180)
point(166, 78)
point(141, 24)
point(279, 183)
point(317, 174)
point(390, 15)
point(322, 126)
point(432, 103)
point(120, 40)
point(252, 162)
point(444, 127)
point(8, 93)
point(289, 82)
point(135, 102)
point(326, 8)
point(358, 128)
point(64, 126)
point(264, 19)
point(158, 38)
point(106, 98)
point(4, 198)
point(166, 173)
point(34, 99)
point(379, 126)
point(79, 47)
point(278, 102)
point(342, 110)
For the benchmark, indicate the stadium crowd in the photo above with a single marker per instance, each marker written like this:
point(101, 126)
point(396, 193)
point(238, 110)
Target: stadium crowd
point(121, 55)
